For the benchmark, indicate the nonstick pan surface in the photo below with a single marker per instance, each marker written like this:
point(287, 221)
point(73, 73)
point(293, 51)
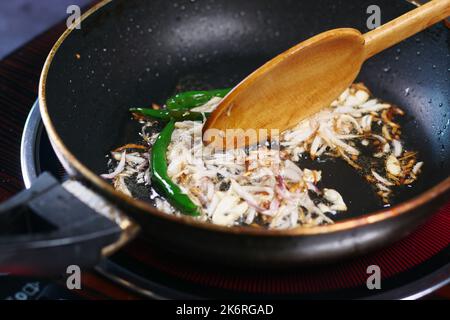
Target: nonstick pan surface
point(133, 53)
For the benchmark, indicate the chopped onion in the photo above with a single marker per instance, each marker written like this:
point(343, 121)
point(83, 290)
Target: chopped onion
point(335, 198)
point(118, 169)
point(417, 167)
point(393, 165)
point(381, 179)
point(398, 148)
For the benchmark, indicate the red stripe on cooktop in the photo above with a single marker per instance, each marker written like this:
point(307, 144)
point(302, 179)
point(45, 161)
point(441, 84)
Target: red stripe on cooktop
point(424, 243)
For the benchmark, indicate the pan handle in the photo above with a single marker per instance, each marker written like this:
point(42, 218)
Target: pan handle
point(47, 228)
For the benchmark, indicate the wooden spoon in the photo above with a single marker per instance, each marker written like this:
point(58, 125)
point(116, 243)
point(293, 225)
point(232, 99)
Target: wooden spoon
point(309, 76)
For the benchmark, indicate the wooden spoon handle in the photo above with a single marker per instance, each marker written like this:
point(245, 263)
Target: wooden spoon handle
point(405, 26)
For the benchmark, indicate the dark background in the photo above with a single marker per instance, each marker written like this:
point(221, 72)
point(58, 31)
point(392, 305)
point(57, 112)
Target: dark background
point(21, 20)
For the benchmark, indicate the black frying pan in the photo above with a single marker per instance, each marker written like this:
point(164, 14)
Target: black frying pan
point(132, 53)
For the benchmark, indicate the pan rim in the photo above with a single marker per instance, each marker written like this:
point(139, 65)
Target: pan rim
point(69, 160)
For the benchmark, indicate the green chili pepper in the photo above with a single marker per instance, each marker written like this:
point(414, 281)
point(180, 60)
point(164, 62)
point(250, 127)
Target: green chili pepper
point(192, 99)
point(161, 179)
point(167, 115)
